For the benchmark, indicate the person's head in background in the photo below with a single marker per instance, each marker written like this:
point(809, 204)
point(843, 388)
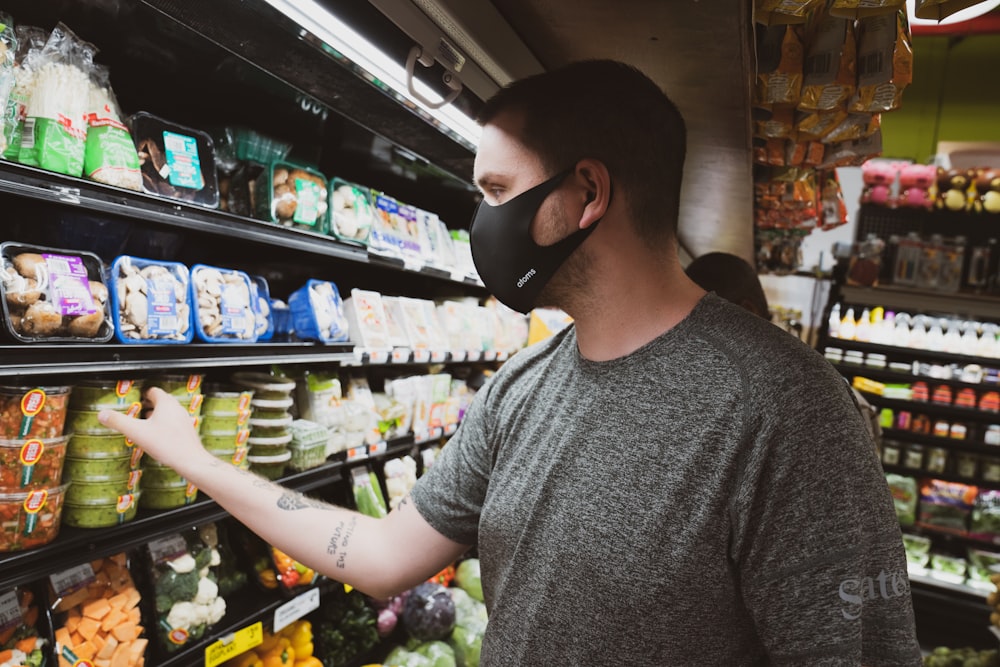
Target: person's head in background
point(732, 278)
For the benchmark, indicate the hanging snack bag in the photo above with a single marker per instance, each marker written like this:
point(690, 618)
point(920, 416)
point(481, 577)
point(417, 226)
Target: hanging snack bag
point(225, 312)
point(856, 9)
point(21, 628)
point(54, 295)
point(833, 208)
point(176, 161)
point(96, 615)
point(885, 62)
point(110, 156)
point(828, 76)
point(151, 300)
point(55, 129)
point(182, 568)
point(351, 212)
point(30, 41)
point(777, 12)
point(779, 66)
point(293, 195)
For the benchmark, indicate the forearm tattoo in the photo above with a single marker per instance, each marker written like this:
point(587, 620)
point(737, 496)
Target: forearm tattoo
point(340, 540)
point(296, 501)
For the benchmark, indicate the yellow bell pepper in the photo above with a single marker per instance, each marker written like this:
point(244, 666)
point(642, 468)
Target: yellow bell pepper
point(282, 655)
point(267, 643)
point(311, 661)
point(302, 639)
point(248, 659)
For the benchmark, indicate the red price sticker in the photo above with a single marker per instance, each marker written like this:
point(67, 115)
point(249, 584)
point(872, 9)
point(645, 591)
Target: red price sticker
point(31, 452)
point(32, 402)
point(356, 453)
point(122, 388)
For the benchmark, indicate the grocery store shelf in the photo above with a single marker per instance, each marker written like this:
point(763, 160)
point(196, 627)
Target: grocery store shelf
point(929, 579)
point(51, 359)
point(935, 441)
point(907, 353)
point(882, 375)
point(75, 545)
point(947, 477)
point(930, 408)
point(29, 182)
point(922, 301)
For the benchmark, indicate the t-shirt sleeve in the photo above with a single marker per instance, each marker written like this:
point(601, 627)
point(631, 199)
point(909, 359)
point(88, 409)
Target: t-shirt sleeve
point(450, 495)
point(817, 542)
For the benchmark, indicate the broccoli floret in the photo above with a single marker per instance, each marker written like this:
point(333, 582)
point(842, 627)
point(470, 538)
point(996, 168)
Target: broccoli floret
point(177, 586)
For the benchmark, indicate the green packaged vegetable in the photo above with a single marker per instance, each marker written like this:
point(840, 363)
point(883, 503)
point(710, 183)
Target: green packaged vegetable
point(367, 493)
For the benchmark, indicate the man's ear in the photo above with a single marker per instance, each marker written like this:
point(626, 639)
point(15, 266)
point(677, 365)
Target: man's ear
point(594, 186)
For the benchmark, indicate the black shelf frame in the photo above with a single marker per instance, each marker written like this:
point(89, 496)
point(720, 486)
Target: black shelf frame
point(889, 376)
point(930, 408)
point(911, 353)
point(936, 441)
point(945, 476)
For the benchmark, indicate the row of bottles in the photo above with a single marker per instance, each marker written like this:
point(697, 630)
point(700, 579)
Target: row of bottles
point(922, 332)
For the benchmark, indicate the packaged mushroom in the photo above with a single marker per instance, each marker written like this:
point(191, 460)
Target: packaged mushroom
point(54, 295)
point(318, 313)
point(293, 195)
point(260, 293)
point(351, 212)
point(175, 161)
point(223, 304)
point(151, 301)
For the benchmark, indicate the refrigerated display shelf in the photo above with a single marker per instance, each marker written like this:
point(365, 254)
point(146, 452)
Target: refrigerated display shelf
point(32, 183)
point(945, 476)
point(931, 408)
point(916, 300)
point(52, 359)
point(76, 545)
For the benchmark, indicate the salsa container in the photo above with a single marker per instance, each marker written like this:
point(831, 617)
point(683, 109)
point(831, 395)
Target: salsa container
point(31, 464)
point(33, 412)
point(30, 518)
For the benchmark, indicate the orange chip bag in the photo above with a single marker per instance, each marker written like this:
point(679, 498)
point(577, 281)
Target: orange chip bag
point(815, 126)
point(885, 63)
point(777, 12)
point(779, 57)
point(856, 9)
point(828, 76)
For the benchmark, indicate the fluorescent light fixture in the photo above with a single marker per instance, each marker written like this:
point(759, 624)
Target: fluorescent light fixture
point(377, 67)
point(966, 14)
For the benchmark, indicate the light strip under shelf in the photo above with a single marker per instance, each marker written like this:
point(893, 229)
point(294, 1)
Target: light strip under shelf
point(378, 67)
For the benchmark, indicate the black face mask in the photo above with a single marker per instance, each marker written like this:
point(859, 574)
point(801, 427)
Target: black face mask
point(512, 266)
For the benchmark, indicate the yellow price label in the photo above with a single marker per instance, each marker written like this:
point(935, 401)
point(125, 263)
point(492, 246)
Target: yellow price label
point(239, 642)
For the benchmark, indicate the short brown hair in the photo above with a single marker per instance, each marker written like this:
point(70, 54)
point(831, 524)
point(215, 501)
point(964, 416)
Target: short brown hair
point(612, 112)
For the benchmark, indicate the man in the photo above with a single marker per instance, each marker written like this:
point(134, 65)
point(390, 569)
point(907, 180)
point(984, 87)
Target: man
point(669, 481)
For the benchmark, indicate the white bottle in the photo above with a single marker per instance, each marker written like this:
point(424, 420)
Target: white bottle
point(918, 334)
point(886, 329)
point(901, 330)
point(863, 329)
point(953, 337)
point(833, 324)
point(935, 336)
point(970, 339)
point(848, 326)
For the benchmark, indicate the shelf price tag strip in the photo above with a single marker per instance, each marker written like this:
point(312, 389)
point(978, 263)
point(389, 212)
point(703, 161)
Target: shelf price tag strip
point(233, 645)
point(295, 609)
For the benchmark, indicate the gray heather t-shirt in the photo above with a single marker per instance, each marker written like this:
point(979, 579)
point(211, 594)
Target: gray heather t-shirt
point(710, 499)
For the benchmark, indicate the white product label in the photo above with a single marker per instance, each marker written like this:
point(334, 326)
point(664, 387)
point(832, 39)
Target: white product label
point(73, 579)
point(167, 548)
point(295, 609)
point(10, 610)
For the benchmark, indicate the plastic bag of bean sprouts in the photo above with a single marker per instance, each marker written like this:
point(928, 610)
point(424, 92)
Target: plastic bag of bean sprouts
point(110, 155)
point(55, 129)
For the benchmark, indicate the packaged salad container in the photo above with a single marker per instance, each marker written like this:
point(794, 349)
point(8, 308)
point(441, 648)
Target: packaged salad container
point(351, 212)
point(224, 310)
point(30, 518)
point(293, 195)
point(318, 313)
point(151, 301)
point(31, 464)
point(33, 412)
point(177, 162)
point(54, 295)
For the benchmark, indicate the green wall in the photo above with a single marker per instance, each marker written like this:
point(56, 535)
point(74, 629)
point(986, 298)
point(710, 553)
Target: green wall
point(955, 96)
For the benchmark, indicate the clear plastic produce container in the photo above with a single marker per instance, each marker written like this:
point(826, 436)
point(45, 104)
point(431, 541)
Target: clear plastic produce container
point(33, 412)
point(177, 162)
point(351, 212)
point(293, 195)
point(30, 518)
point(151, 301)
point(224, 311)
point(31, 464)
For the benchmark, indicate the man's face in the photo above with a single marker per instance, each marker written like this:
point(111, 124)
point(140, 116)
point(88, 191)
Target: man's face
point(505, 168)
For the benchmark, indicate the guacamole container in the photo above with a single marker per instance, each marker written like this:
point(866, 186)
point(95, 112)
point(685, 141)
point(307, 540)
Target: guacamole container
point(223, 399)
point(168, 497)
point(102, 513)
point(271, 467)
point(97, 467)
point(30, 518)
point(85, 422)
point(104, 490)
point(224, 440)
point(100, 394)
point(182, 387)
point(31, 464)
point(84, 446)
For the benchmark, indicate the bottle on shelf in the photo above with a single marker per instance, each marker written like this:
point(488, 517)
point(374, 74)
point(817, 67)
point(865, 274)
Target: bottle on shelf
point(918, 333)
point(934, 340)
point(970, 338)
point(907, 258)
point(848, 325)
point(833, 323)
point(901, 330)
point(952, 337)
point(863, 328)
point(977, 276)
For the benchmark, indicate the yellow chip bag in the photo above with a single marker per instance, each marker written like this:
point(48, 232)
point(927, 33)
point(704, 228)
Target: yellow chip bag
point(885, 63)
point(828, 75)
point(779, 58)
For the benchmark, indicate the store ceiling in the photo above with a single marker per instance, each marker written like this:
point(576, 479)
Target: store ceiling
point(700, 53)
